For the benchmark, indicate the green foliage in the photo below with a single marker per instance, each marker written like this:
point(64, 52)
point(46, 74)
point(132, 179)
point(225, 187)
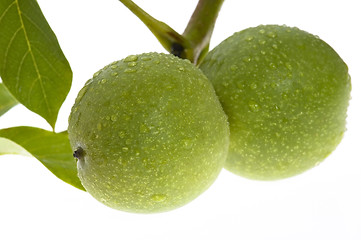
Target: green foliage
point(7, 101)
point(32, 65)
point(150, 133)
point(51, 149)
point(286, 94)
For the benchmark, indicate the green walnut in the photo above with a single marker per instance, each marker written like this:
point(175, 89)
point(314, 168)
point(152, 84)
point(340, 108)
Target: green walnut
point(286, 94)
point(149, 133)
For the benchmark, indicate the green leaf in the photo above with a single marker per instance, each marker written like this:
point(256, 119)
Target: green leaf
point(51, 149)
point(32, 64)
point(7, 101)
point(9, 147)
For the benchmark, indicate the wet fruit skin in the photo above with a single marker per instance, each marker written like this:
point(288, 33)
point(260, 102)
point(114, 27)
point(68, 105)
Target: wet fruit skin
point(286, 93)
point(149, 133)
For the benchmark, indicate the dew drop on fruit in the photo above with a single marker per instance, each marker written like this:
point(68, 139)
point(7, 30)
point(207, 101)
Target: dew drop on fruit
point(97, 73)
point(131, 58)
point(143, 128)
point(253, 86)
point(271, 34)
point(159, 197)
point(288, 66)
point(284, 95)
point(262, 31)
point(249, 38)
point(246, 59)
point(187, 143)
point(254, 106)
point(114, 118)
point(274, 85)
point(128, 141)
point(103, 81)
point(130, 70)
point(132, 64)
point(272, 65)
point(114, 74)
point(121, 134)
point(146, 58)
point(125, 149)
point(234, 67)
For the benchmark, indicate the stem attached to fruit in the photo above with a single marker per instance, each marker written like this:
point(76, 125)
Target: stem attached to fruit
point(200, 28)
point(169, 38)
point(193, 44)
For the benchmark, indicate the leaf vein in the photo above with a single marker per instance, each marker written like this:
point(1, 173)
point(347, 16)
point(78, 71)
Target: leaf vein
point(33, 58)
point(9, 46)
point(6, 10)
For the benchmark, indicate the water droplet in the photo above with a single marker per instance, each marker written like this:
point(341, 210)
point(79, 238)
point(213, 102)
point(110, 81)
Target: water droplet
point(126, 117)
point(253, 86)
point(81, 93)
point(146, 58)
point(181, 69)
point(272, 65)
point(262, 31)
point(121, 134)
point(317, 163)
point(103, 81)
point(254, 106)
point(130, 70)
point(274, 85)
point(159, 197)
point(128, 141)
point(271, 34)
point(276, 107)
point(132, 64)
point(288, 66)
point(234, 67)
point(246, 59)
point(125, 149)
point(249, 38)
point(97, 73)
point(99, 126)
point(187, 143)
point(113, 66)
point(274, 46)
point(262, 42)
point(114, 74)
point(143, 128)
point(114, 118)
point(263, 52)
point(131, 58)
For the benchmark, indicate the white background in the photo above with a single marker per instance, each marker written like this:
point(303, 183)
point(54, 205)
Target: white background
point(323, 203)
